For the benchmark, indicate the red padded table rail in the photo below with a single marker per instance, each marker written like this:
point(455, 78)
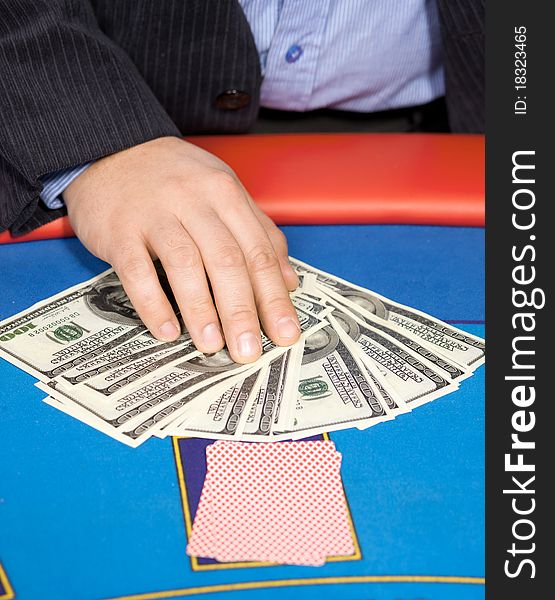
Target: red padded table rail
point(316, 178)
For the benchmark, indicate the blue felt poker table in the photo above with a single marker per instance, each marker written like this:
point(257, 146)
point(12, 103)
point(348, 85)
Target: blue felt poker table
point(83, 517)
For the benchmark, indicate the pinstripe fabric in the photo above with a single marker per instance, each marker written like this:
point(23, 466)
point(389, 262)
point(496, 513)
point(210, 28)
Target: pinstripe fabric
point(463, 41)
point(80, 80)
point(188, 52)
point(67, 95)
point(361, 55)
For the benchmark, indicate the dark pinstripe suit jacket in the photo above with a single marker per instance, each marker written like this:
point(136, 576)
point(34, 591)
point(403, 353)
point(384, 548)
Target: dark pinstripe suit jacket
point(81, 79)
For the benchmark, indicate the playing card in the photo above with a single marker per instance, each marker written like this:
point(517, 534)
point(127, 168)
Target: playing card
point(279, 503)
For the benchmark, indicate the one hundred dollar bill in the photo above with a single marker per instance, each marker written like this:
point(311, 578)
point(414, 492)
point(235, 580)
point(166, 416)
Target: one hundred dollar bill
point(127, 374)
point(102, 391)
point(135, 427)
point(182, 414)
point(362, 359)
point(153, 393)
point(457, 345)
point(311, 303)
point(278, 383)
point(126, 358)
point(442, 365)
point(216, 415)
point(157, 396)
point(412, 378)
point(334, 390)
point(70, 328)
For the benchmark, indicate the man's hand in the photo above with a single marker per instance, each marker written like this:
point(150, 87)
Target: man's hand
point(169, 199)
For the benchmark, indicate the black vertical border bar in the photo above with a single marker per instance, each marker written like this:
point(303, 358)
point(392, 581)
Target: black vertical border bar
point(506, 133)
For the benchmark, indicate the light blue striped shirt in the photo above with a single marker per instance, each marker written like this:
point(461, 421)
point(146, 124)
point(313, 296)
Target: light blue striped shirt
point(54, 184)
point(356, 55)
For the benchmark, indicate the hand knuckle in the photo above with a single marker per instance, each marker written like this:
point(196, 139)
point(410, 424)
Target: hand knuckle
point(280, 304)
point(262, 258)
point(242, 314)
point(229, 257)
point(182, 256)
point(200, 306)
point(223, 181)
point(135, 268)
point(147, 303)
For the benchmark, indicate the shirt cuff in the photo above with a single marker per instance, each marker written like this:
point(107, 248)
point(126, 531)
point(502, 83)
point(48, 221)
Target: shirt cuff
point(53, 185)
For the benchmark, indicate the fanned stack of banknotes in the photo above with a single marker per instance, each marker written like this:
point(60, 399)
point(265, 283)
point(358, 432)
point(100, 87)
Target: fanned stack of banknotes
point(362, 359)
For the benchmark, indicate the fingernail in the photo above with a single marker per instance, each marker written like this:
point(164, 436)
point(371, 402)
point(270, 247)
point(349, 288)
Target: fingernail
point(288, 328)
point(169, 331)
point(248, 344)
point(212, 337)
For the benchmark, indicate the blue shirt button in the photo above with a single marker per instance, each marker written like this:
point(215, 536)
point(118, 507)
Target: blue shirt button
point(293, 54)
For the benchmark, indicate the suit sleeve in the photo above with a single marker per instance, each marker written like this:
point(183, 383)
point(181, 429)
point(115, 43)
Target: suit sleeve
point(462, 23)
point(68, 95)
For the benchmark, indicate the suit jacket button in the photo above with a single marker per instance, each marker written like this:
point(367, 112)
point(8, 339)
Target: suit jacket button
point(233, 100)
